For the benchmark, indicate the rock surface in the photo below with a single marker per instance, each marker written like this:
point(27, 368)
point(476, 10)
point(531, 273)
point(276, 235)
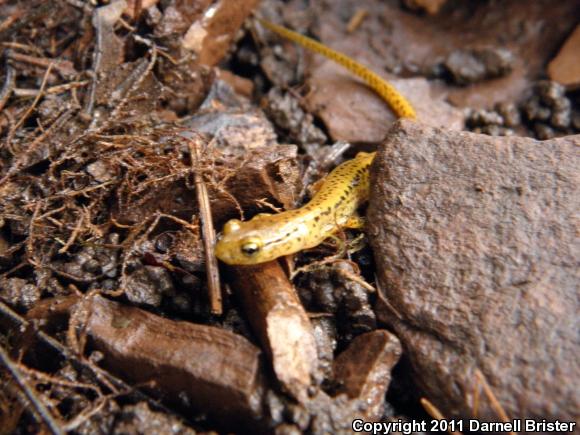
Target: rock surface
point(474, 238)
point(353, 112)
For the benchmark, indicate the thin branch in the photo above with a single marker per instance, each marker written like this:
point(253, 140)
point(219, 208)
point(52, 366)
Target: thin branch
point(208, 233)
point(434, 412)
point(74, 234)
point(495, 405)
point(65, 68)
point(41, 411)
point(105, 378)
point(8, 87)
point(16, 126)
point(58, 89)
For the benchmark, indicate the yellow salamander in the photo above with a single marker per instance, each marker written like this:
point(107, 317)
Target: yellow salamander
point(267, 237)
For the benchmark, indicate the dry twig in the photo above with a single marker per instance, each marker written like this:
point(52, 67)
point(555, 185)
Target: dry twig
point(24, 117)
point(40, 409)
point(434, 412)
point(208, 233)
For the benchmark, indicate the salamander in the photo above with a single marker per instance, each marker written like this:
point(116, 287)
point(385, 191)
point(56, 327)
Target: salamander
point(268, 236)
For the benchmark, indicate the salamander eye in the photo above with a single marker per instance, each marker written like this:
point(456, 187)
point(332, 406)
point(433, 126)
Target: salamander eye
point(251, 247)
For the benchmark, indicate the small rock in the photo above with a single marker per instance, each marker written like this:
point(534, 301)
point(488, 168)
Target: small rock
point(230, 121)
point(100, 171)
point(560, 119)
point(543, 131)
point(93, 262)
point(510, 114)
point(287, 429)
point(285, 111)
point(496, 130)
point(140, 418)
point(474, 65)
point(535, 111)
point(474, 240)
point(334, 290)
point(550, 92)
point(216, 372)
point(18, 293)
point(484, 117)
point(147, 285)
point(565, 67)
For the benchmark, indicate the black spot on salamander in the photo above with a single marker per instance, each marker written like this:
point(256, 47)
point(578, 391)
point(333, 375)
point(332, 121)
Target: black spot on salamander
point(316, 218)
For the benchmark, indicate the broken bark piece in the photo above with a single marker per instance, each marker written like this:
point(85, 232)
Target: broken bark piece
point(473, 239)
point(278, 318)
point(565, 67)
point(363, 370)
point(269, 173)
point(355, 113)
point(362, 373)
point(211, 36)
point(219, 372)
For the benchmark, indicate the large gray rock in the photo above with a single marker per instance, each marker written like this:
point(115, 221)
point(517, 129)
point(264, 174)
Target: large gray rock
point(477, 251)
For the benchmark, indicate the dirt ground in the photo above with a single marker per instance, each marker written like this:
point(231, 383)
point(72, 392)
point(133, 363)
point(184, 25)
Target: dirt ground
point(132, 131)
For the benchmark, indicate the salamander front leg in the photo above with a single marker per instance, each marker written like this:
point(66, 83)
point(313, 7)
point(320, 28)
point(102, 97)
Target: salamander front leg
point(355, 222)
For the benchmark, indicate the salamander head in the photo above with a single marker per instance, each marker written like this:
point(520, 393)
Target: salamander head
point(246, 243)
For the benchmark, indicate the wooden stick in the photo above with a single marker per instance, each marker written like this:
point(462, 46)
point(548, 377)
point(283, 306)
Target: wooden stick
point(208, 233)
point(40, 409)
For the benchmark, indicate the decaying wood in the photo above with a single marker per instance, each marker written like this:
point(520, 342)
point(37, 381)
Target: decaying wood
point(98, 375)
point(363, 370)
point(220, 372)
point(280, 321)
